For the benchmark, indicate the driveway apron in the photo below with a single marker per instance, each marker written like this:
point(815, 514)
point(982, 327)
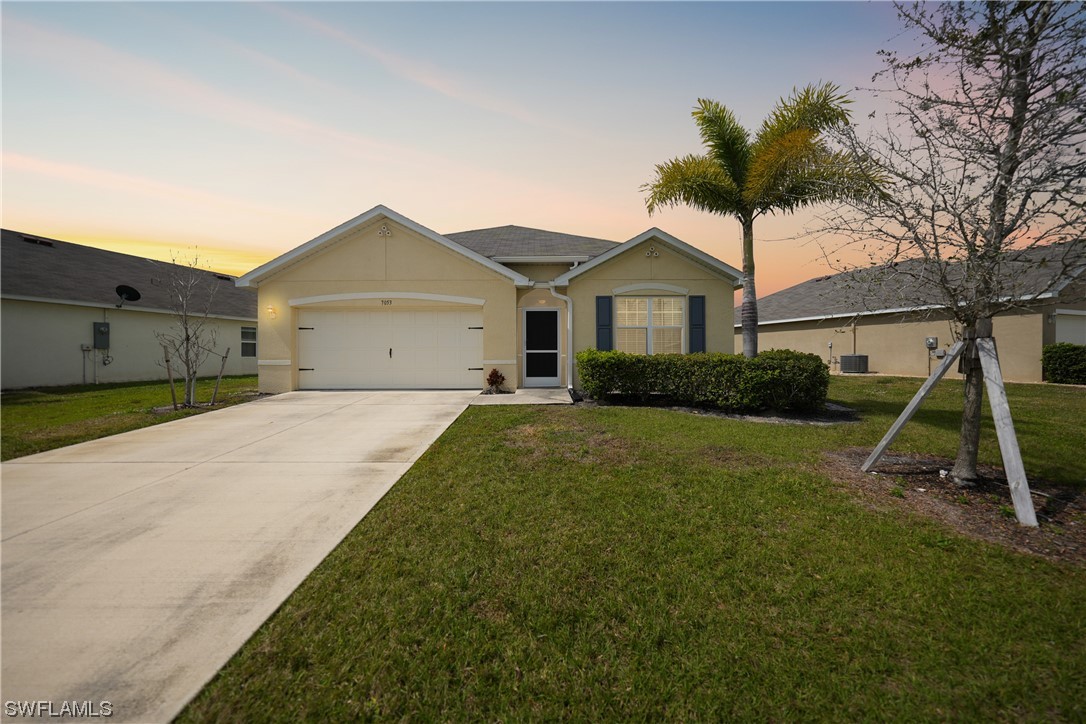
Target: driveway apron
point(134, 566)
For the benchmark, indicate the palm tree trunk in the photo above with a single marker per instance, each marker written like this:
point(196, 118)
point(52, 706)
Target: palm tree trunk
point(749, 310)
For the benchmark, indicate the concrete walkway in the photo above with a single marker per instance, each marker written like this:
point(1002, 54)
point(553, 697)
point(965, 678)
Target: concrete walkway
point(528, 396)
point(134, 566)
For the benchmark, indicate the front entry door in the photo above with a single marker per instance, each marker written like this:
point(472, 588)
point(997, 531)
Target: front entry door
point(541, 353)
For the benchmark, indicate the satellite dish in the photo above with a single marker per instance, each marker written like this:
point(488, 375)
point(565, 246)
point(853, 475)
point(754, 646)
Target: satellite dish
point(127, 294)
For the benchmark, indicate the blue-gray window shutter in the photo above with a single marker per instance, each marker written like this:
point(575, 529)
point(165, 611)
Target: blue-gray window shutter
point(697, 324)
point(604, 335)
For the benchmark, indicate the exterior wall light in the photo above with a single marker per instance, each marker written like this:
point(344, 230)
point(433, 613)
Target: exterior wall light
point(271, 312)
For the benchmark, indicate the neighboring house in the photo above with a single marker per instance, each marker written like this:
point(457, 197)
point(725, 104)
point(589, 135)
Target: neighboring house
point(64, 323)
point(383, 302)
point(893, 320)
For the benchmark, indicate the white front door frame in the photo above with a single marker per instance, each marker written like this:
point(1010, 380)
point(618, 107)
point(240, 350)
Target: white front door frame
point(548, 381)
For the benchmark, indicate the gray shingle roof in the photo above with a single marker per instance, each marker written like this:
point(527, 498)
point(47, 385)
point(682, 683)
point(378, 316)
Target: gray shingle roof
point(903, 286)
point(512, 241)
point(33, 266)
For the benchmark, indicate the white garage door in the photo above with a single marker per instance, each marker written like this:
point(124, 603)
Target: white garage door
point(382, 349)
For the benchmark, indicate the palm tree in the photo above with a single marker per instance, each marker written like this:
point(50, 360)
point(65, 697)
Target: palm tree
point(788, 165)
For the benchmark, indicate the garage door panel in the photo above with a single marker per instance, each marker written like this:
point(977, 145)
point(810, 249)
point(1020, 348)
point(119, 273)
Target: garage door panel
point(350, 349)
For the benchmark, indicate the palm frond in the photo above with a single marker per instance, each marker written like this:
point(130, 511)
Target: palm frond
point(727, 141)
point(789, 149)
point(775, 165)
point(697, 181)
point(822, 177)
point(815, 107)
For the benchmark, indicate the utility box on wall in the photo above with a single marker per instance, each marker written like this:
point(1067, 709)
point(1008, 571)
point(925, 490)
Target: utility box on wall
point(101, 335)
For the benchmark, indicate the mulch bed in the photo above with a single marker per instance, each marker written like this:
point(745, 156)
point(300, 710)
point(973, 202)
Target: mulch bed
point(830, 414)
point(984, 511)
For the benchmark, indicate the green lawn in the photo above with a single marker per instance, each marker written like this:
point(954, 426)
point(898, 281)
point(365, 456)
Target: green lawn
point(621, 563)
point(44, 418)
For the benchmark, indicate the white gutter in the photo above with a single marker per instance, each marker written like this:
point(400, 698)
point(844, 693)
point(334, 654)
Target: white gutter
point(850, 315)
point(897, 310)
point(569, 334)
point(113, 306)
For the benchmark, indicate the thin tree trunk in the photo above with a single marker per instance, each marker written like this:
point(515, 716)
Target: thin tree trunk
point(964, 471)
point(965, 465)
point(169, 373)
point(749, 310)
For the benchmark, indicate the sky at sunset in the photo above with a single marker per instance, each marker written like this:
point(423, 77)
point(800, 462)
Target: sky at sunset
point(245, 129)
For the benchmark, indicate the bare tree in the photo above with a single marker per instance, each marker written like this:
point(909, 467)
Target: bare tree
point(981, 168)
point(190, 338)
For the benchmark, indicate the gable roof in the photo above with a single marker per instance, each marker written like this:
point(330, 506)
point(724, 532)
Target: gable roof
point(901, 288)
point(698, 256)
point(521, 242)
point(36, 268)
point(253, 278)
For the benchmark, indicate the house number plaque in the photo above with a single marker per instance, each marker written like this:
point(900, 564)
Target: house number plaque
point(386, 302)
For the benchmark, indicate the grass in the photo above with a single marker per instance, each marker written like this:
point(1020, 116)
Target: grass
point(630, 563)
point(39, 419)
point(1048, 420)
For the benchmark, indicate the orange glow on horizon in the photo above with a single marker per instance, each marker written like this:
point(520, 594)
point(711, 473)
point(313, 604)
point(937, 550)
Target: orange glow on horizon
point(234, 262)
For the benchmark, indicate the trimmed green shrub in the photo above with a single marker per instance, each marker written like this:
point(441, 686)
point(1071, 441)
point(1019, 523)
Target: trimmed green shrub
point(1065, 363)
point(777, 379)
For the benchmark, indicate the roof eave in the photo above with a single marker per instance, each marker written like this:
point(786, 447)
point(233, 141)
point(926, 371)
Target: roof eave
point(263, 272)
point(899, 310)
point(543, 259)
point(723, 270)
point(124, 308)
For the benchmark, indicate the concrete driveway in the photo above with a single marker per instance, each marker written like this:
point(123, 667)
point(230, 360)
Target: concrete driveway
point(136, 565)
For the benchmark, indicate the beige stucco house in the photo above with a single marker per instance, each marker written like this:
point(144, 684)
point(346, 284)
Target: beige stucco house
point(384, 302)
point(63, 323)
point(901, 330)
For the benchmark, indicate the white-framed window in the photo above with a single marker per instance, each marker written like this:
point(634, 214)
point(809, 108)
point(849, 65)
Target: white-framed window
point(649, 325)
point(248, 341)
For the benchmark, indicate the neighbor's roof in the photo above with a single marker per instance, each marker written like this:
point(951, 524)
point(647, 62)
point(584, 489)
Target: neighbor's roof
point(900, 287)
point(518, 242)
point(42, 269)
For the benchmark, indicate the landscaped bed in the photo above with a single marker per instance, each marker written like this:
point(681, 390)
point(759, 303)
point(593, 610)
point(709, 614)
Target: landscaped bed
point(634, 563)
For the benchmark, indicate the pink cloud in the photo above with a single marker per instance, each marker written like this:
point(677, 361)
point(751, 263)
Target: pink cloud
point(415, 71)
point(140, 185)
point(109, 66)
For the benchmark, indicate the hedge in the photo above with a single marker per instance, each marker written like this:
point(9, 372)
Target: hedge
point(780, 380)
point(1065, 363)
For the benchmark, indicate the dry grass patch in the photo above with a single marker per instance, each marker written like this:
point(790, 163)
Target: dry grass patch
point(575, 443)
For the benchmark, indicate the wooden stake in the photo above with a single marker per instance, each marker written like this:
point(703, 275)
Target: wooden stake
point(1008, 441)
point(218, 379)
point(169, 373)
point(912, 407)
